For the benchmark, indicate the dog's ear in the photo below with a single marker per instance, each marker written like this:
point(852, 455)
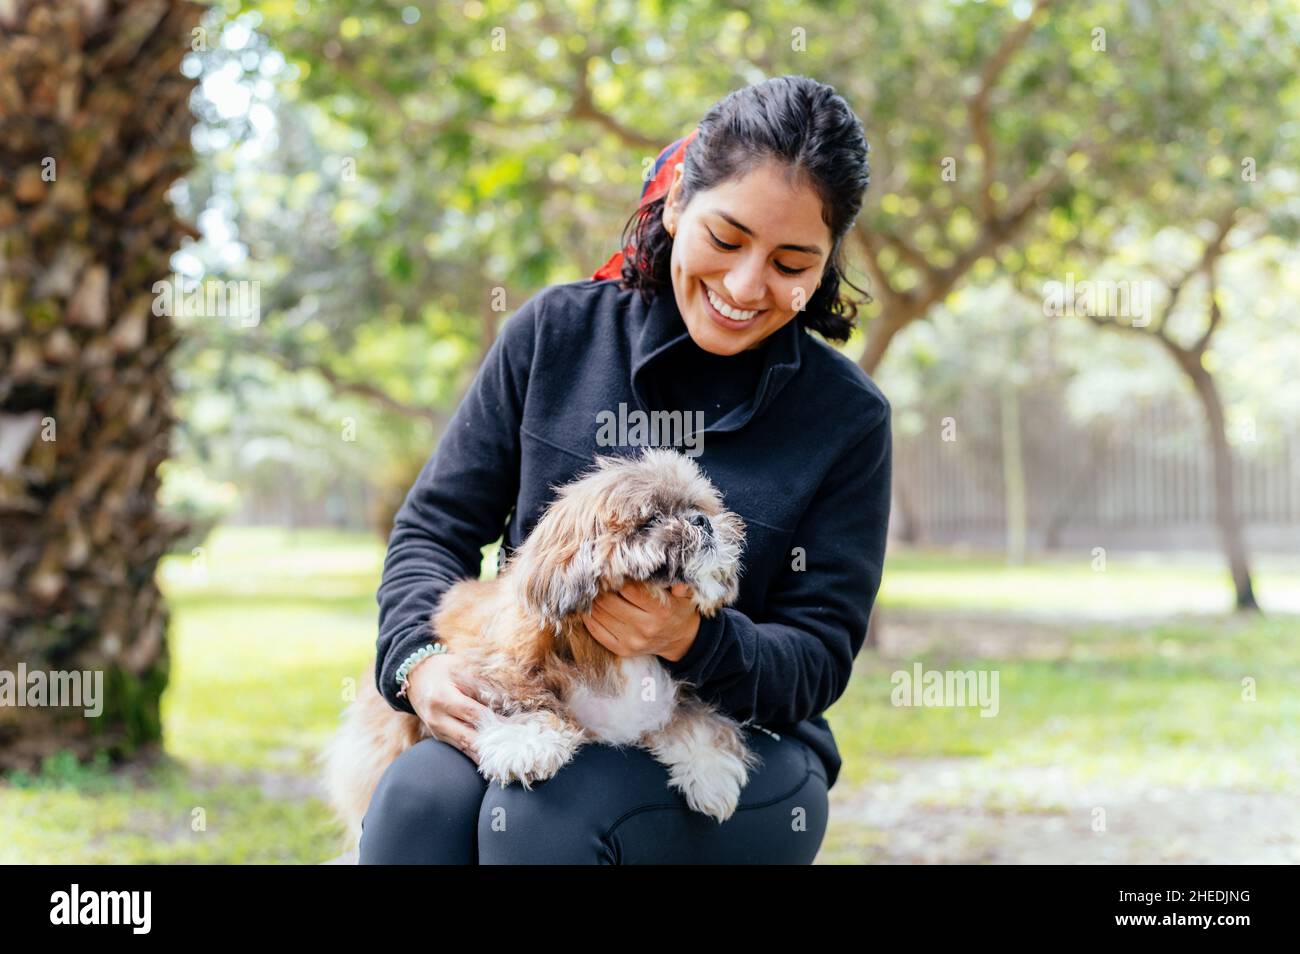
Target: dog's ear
point(556, 570)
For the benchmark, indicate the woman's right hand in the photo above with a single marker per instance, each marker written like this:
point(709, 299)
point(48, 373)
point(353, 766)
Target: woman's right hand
point(445, 695)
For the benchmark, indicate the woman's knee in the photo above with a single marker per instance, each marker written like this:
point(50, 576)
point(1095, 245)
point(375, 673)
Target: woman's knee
point(799, 824)
point(781, 818)
point(567, 819)
point(425, 808)
point(614, 806)
point(785, 812)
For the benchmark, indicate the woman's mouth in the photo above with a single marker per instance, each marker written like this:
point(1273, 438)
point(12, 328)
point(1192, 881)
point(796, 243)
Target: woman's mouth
point(731, 318)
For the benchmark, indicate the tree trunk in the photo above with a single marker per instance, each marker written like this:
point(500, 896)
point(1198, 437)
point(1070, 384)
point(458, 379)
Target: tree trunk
point(1226, 515)
point(910, 529)
point(1013, 474)
point(880, 333)
point(94, 129)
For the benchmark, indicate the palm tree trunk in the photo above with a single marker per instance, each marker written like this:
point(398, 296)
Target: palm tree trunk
point(94, 129)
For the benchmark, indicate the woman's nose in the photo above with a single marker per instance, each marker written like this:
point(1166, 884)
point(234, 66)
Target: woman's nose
point(744, 283)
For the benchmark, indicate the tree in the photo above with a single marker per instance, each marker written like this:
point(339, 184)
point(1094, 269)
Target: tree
point(1191, 360)
point(94, 129)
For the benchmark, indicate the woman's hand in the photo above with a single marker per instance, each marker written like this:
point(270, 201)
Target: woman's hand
point(446, 697)
point(632, 622)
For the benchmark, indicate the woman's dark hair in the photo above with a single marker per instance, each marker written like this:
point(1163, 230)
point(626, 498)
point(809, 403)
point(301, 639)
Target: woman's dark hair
point(799, 122)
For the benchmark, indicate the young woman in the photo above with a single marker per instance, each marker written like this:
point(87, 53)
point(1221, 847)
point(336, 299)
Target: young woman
point(735, 256)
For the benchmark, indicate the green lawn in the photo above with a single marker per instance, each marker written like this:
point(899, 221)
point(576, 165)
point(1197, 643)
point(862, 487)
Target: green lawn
point(268, 627)
point(1067, 585)
point(1160, 704)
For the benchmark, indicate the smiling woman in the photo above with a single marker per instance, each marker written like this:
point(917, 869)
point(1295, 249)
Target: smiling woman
point(735, 259)
point(749, 214)
point(734, 279)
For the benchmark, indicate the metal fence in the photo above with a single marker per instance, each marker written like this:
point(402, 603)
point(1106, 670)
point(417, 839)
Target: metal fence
point(1146, 476)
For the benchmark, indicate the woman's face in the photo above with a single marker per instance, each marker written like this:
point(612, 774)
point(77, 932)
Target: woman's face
point(757, 243)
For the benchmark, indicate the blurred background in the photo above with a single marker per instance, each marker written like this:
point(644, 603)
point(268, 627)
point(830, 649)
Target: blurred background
point(251, 254)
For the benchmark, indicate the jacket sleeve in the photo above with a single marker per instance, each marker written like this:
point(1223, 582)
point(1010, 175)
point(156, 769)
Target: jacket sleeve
point(796, 662)
point(459, 503)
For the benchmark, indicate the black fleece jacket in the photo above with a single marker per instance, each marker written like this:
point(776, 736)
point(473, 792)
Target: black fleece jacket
point(805, 462)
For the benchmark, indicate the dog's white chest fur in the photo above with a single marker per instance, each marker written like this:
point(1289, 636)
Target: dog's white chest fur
point(645, 703)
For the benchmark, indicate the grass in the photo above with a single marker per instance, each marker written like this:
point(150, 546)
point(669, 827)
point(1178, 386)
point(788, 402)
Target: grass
point(1165, 704)
point(1073, 586)
point(269, 627)
point(175, 815)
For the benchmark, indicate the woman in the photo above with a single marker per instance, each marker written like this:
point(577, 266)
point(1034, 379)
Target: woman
point(735, 253)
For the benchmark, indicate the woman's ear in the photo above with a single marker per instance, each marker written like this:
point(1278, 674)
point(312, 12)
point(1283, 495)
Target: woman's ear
point(672, 214)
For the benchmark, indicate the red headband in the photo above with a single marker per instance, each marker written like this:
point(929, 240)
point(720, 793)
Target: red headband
point(655, 187)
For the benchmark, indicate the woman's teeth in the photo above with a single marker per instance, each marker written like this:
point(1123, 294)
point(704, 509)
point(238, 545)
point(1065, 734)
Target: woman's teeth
point(726, 310)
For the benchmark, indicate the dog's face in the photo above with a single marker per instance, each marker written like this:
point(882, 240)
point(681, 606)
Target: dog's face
point(654, 519)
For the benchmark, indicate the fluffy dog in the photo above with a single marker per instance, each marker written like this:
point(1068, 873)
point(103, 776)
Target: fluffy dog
point(551, 686)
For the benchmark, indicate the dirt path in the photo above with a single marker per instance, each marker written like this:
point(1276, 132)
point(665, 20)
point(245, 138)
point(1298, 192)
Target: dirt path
point(940, 810)
point(905, 821)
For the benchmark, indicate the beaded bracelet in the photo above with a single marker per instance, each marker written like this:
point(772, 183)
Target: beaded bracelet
point(404, 670)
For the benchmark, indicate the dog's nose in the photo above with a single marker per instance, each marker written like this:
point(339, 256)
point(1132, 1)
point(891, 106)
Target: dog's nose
point(703, 522)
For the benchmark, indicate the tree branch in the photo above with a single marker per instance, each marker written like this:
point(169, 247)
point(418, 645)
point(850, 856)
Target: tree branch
point(978, 106)
point(337, 382)
point(872, 243)
point(584, 107)
point(365, 389)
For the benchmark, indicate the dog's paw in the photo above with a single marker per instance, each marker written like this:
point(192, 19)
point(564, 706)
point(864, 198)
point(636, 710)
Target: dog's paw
point(525, 749)
point(712, 782)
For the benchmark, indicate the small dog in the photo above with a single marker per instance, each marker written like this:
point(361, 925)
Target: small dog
point(550, 685)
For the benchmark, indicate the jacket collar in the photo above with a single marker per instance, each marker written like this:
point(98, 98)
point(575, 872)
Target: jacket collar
point(663, 330)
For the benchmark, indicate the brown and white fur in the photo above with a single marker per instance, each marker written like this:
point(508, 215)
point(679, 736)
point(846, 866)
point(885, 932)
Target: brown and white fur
point(551, 686)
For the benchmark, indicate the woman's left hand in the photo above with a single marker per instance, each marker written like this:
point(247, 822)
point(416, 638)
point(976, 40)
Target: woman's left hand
point(631, 622)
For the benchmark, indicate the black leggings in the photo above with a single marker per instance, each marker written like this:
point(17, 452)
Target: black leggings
point(608, 806)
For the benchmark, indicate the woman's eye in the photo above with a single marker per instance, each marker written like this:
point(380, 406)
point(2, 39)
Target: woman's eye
point(731, 248)
point(721, 244)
